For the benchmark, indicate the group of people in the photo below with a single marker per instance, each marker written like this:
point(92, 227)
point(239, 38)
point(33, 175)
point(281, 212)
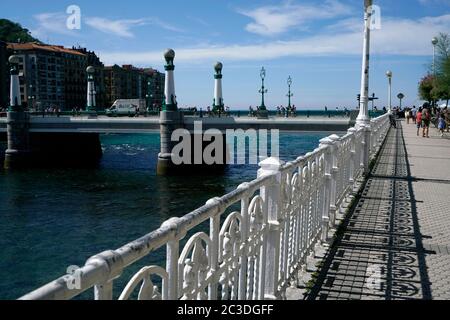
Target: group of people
point(286, 112)
point(426, 115)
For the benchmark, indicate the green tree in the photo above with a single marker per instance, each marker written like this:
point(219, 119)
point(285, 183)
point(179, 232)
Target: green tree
point(443, 48)
point(442, 86)
point(13, 32)
point(426, 87)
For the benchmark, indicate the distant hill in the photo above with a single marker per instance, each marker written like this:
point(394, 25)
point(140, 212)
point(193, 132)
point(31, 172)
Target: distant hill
point(13, 32)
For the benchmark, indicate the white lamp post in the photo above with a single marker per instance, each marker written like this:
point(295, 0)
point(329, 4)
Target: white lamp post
point(389, 76)
point(363, 117)
point(434, 42)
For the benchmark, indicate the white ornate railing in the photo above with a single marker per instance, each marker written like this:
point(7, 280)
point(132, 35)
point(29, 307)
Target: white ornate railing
point(257, 251)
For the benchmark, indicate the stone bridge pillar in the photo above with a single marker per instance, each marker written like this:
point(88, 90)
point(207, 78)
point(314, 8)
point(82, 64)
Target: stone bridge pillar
point(170, 118)
point(17, 153)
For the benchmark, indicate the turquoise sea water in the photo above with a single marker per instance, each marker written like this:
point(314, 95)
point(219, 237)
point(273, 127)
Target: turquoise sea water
point(53, 218)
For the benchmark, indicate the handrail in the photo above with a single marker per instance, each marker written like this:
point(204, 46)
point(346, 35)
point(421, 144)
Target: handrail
point(252, 253)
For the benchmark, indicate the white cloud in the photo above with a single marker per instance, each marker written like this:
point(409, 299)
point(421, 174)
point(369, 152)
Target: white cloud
point(122, 28)
point(274, 20)
point(397, 37)
point(55, 23)
point(51, 23)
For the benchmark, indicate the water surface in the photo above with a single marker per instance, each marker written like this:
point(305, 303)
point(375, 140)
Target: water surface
point(53, 218)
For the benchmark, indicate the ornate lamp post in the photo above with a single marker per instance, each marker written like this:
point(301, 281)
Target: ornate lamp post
point(218, 105)
point(170, 99)
point(389, 76)
point(15, 101)
point(262, 110)
point(400, 96)
point(91, 104)
point(289, 95)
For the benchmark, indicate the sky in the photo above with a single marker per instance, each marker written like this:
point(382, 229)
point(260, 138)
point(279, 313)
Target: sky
point(318, 43)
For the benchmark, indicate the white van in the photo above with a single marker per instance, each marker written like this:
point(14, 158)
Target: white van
point(126, 107)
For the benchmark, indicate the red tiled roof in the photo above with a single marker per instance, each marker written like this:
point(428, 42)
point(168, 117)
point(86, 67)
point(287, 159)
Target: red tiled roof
point(37, 46)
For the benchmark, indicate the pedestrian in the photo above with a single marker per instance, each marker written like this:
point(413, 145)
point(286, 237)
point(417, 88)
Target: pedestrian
point(447, 118)
point(414, 114)
point(426, 119)
point(393, 120)
point(419, 120)
point(441, 124)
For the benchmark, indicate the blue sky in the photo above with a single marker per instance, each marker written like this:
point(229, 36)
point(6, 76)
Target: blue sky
point(318, 43)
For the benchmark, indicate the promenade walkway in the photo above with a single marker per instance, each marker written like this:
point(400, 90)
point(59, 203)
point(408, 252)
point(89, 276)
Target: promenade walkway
point(396, 242)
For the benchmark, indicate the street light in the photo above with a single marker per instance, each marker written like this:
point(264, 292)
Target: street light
point(434, 42)
point(389, 76)
point(289, 95)
point(400, 96)
point(363, 118)
point(262, 110)
point(91, 103)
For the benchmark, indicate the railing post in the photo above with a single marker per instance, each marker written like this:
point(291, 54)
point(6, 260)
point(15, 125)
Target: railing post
point(104, 291)
point(172, 254)
point(271, 195)
point(334, 174)
point(214, 229)
point(112, 267)
point(244, 235)
point(328, 143)
point(366, 149)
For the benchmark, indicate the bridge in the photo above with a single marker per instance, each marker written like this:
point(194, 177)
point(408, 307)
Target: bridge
point(103, 124)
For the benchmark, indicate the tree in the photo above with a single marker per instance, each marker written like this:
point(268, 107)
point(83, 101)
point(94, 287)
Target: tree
point(436, 87)
point(13, 32)
point(442, 86)
point(443, 48)
point(426, 86)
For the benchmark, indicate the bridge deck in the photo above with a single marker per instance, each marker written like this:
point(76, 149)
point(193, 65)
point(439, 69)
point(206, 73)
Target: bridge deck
point(104, 124)
point(396, 243)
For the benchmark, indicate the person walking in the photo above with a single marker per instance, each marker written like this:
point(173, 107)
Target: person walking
point(426, 119)
point(441, 124)
point(419, 120)
point(414, 114)
point(447, 118)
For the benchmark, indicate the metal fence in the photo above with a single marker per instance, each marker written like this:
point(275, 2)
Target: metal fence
point(250, 254)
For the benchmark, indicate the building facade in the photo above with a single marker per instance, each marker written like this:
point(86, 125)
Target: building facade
point(129, 82)
point(51, 76)
point(155, 91)
point(4, 92)
point(55, 77)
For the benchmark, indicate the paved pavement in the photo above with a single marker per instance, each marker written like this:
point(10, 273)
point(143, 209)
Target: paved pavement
point(396, 243)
